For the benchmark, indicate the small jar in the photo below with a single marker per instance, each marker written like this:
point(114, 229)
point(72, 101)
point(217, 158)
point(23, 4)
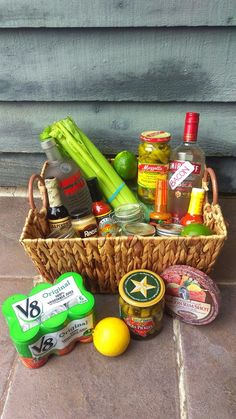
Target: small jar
point(128, 213)
point(153, 162)
point(84, 223)
point(142, 303)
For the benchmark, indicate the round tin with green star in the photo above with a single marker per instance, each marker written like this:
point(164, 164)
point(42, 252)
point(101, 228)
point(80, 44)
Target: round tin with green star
point(142, 302)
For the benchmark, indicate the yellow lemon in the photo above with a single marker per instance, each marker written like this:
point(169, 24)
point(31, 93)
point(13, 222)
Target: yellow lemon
point(111, 336)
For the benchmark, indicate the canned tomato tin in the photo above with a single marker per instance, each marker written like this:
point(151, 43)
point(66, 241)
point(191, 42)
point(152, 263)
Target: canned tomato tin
point(142, 302)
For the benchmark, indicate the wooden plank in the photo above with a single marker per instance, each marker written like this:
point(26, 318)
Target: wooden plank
point(118, 65)
point(16, 169)
point(116, 13)
point(116, 126)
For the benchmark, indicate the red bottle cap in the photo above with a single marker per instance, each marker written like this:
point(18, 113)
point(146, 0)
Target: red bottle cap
point(191, 126)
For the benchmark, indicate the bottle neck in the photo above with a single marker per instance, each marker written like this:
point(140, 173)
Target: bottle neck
point(53, 193)
point(161, 197)
point(53, 154)
point(191, 127)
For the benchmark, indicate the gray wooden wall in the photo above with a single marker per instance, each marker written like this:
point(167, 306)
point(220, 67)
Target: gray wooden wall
point(118, 67)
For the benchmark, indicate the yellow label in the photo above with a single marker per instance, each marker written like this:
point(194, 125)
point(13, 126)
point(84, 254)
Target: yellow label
point(61, 223)
point(149, 173)
point(196, 202)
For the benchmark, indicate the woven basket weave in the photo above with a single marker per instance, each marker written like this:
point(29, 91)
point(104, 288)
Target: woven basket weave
point(103, 261)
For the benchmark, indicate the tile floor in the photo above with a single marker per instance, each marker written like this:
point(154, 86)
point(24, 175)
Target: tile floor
point(185, 372)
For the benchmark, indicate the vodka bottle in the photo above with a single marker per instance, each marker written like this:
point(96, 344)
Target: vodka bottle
point(186, 169)
point(73, 187)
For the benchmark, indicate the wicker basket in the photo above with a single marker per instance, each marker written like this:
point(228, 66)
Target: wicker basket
point(103, 261)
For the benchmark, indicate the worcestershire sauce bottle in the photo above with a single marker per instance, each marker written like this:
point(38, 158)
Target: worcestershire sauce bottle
point(58, 216)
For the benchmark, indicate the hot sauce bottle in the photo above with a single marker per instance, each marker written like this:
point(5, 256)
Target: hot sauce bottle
point(101, 210)
point(160, 215)
point(194, 214)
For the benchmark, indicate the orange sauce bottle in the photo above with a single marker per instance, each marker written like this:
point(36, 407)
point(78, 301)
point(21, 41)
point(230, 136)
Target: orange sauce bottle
point(160, 214)
point(194, 214)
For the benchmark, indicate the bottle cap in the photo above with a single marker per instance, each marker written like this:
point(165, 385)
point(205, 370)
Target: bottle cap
point(191, 127)
point(94, 190)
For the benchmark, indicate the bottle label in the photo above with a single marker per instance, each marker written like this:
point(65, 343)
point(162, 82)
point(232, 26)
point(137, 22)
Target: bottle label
point(61, 223)
point(90, 230)
point(37, 308)
point(72, 184)
point(180, 174)
point(107, 226)
point(61, 339)
point(196, 202)
point(149, 173)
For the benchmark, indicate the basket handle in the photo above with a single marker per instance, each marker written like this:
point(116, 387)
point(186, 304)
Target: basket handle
point(209, 173)
point(42, 189)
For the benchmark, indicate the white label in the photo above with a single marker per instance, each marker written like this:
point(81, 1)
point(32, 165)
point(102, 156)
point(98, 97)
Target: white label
point(189, 309)
point(62, 338)
point(182, 173)
point(37, 308)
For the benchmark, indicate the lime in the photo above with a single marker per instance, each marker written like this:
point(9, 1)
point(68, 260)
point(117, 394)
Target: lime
point(196, 229)
point(111, 336)
point(125, 164)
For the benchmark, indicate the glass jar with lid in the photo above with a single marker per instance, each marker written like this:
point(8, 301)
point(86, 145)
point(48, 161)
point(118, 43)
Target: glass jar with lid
point(128, 213)
point(153, 162)
point(142, 302)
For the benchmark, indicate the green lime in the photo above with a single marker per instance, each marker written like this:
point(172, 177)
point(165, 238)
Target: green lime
point(196, 230)
point(125, 164)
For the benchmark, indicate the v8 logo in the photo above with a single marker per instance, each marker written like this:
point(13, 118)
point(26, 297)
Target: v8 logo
point(29, 310)
point(43, 345)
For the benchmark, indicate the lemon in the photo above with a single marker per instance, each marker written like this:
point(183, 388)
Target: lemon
point(111, 336)
point(125, 164)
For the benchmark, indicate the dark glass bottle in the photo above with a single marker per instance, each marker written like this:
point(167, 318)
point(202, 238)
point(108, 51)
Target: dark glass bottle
point(58, 216)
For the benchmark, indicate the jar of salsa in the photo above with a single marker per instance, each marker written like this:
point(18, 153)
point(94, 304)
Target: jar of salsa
point(153, 162)
point(142, 302)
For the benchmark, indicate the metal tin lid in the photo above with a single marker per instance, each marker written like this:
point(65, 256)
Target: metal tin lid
point(155, 136)
point(139, 229)
point(169, 229)
point(191, 295)
point(141, 288)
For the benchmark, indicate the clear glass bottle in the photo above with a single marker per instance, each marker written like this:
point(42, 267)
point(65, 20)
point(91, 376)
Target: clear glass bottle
point(183, 176)
point(73, 187)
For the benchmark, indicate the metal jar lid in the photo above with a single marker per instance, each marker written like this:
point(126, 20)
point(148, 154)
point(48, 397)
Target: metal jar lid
point(168, 229)
point(155, 136)
point(141, 288)
point(139, 229)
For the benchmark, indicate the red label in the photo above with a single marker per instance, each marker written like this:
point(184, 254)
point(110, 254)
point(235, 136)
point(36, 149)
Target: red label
point(72, 184)
point(175, 165)
point(139, 326)
point(145, 167)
